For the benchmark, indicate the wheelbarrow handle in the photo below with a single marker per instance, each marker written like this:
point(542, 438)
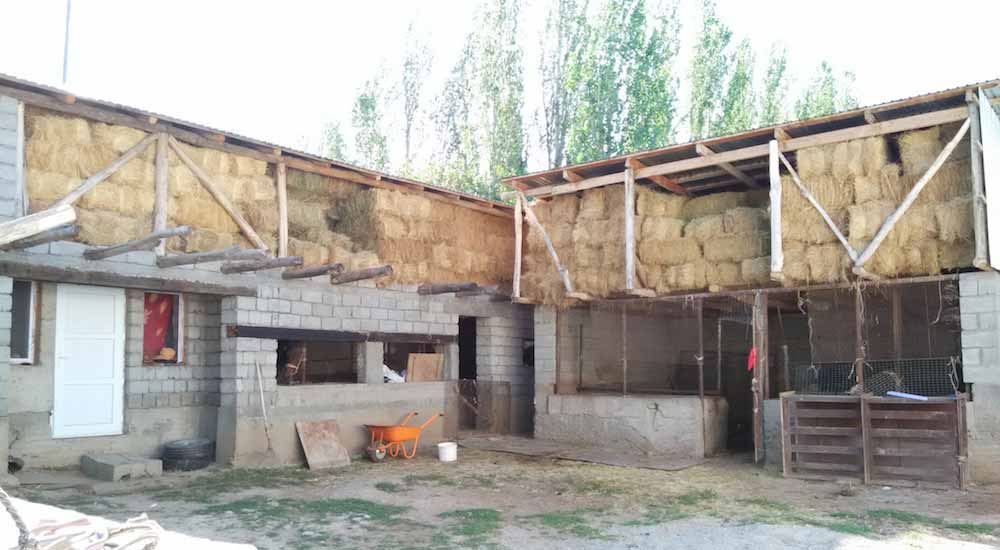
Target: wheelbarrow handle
point(431, 419)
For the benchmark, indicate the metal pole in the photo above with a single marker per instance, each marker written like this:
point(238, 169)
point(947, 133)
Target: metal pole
point(66, 44)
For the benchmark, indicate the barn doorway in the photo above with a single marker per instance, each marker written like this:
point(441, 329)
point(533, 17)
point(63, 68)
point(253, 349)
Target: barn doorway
point(467, 372)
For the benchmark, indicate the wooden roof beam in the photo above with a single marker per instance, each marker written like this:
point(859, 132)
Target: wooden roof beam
point(733, 171)
point(571, 176)
point(661, 180)
point(781, 135)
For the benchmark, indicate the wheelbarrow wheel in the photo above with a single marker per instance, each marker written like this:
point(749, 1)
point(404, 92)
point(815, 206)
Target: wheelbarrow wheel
point(377, 454)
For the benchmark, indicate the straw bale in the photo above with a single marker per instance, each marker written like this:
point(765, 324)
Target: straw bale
point(563, 208)
point(246, 166)
point(669, 251)
point(367, 258)
point(892, 260)
point(312, 253)
point(116, 138)
point(919, 148)
point(705, 228)
point(828, 263)
point(874, 155)
point(390, 227)
point(201, 240)
point(952, 180)
point(864, 220)
point(136, 173)
point(58, 129)
point(954, 220)
point(49, 186)
point(651, 202)
point(591, 281)
point(735, 248)
point(181, 182)
point(796, 265)
point(848, 160)
point(866, 188)
point(649, 275)
point(215, 163)
point(756, 270)
point(303, 216)
point(686, 276)
point(103, 228)
point(584, 255)
point(891, 184)
point(594, 204)
point(745, 220)
point(561, 234)
point(661, 228)
point(814, 161)
point(830, 192)
point(957, 254)
point(412, 205)
point(612, 257)
point(718, 203)
point(722, 274)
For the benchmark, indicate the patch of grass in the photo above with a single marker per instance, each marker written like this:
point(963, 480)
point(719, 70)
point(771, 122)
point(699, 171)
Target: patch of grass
point(572, 522)
point(697, 497)
point(482, 480)
point(87, 504)
point(596, 487)
point(390, 487)
point(656, 514)
point(474, 523)
point(765, 503)
point(915, 519)
point(206, 488)
point(284, 509)
point(430, 479)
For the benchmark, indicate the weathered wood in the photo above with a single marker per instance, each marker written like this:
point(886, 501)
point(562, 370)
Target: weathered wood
point(571, 176)
point(89, 183)
point(829, 466)
point(219, 196)
point(629, 215)
point(904, 433)
point(826, 449)
point(489, 290)
point(444, 288)
point(866, 438)
point(802, 412)
point(23, 206)
point(962, 441)
point(282, 171)
point(58, 234)
point(728, 167)
point(914, 451)
point(361, 274)
point(231, 253)
point(774, 172)
point(981, 258)
point(805, 192)
point(242, 266)
point(860, 352)
point(316, 335)
point(759, 383)
point(534, 223)
point(582, 296)
point(148, 242)
point(333, 268)
point(33, 224)
point(669, 184)
point(786, 435)
point(632, 293)
point(161, 197)
point(518, 237)
point(624, 327)
point(890, 222)
point(891, 414)
point(836, 431)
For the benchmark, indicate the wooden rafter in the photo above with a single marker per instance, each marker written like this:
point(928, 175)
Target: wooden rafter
point(89, 183)
point(148, 242)
point(361, 274)
point(781, 135)
point(33, 224)
point(570, 175)
point(231, 253)
point(733, 171)
point(242, 266)
point(445, 288)
point(334, 268)
point(663, 181)
point(60, 233)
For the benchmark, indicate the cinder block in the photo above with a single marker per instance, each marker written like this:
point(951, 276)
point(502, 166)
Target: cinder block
point(117, 467)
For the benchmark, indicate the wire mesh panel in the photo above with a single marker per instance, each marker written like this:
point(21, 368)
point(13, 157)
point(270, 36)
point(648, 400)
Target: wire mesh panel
point(824, 378)
point(936, 376)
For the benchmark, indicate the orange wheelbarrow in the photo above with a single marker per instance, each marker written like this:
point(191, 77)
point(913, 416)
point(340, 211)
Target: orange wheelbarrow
point(391, 440)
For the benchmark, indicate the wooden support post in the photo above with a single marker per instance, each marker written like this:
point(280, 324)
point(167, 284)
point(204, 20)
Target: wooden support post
point(33, 224)
point(718, 354)
point(58, 234)
point(231, 253)
point(537, 226)
point(962, 433)
point(819, 208)
point(361, 274)
point(259, 265)
point(624, 351)
point(859, 337)
point(518, 231)
point(333, 268)
point(444, 288)
point(786, 433)
point(100, 176)
point(161, 197)
point(661, 180)
point(981, 258)
point(866, 438)
point(777, 254)
point(890, 222)
point(153, 240)
point(629, 228)
point(759, 383)
point(219, 196)
point(897, 323)
point(282, 209)
point(700, 358)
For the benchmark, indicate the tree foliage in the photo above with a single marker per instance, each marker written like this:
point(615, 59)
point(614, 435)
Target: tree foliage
point(651, 85)
point(370, 140)
point(334, 144)
point(562, 44)
point(826, 93)
point(709, 69)
point(738, 104)
point(774, 89)
point(415, 68)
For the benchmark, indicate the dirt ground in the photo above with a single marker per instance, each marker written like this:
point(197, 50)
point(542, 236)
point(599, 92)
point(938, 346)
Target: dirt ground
point(497, 500)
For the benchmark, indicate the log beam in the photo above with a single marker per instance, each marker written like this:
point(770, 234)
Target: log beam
point(89, 183)
point(733, 171)
point(58, 234)
point(231, 253)
point(282, 209)
point(361, 274)
point(518, 245)
point(241, 266)
point(777, 251)
point(570, 175)
point(33, 224)
point(445, 288)
point(153, 240)
point(332, 268)
point(161, 197)
point(981, 258)
point(663, 181)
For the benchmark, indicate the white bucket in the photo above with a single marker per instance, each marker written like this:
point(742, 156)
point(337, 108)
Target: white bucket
point(448, 451)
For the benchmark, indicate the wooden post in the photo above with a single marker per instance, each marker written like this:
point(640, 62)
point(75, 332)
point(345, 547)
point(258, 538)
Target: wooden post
point(161, 197)
point(805, 192)
point(859, 337)
point(258, 265)
point(890, 222)
point(58, 234)
point(23, 206)
point(786, 432)
point(624, 351)
point(153, 240)
point(718, 354)
point(534, 223)
point(759, 380)
point(33, 224)
point(518, 229)
point(866, 437)
point(93, 180)
point(361, 274)
point(981, 258)
point(445, 288)
point(333, 268)
point(629, 228)
point(897, 323)
point(700, 358)
point(777, 254)
point(219, 196)
point(282, 210)
point(963, 441)
point(231, 253)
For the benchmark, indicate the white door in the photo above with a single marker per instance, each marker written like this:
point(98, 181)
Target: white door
point(90, 361)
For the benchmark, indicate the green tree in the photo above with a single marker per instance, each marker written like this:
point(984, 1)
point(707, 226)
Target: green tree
point(709, 68)
point(456, 160)
point(370, 140)
point(415, 68)
point(774, 89)
point(563, 47)
point(738, 107)
point(826, 93)
point(651, 86)
point(334, 144)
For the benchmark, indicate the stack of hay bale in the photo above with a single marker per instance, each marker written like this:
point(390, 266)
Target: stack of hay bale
point(718, 240)
point(427, 240)
point(859, 186)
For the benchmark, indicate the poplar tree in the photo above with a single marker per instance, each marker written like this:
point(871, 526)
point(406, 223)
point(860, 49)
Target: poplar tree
point(709, 68)
point(774, 89)
point(370, 140)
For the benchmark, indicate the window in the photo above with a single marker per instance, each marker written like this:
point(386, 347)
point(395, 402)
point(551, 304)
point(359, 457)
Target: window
point(315, 363)
point(23, 322)
point(162, 334)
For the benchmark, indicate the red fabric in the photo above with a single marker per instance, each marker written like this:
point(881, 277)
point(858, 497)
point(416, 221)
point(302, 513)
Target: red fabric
point(158, 311)
point(752, 358)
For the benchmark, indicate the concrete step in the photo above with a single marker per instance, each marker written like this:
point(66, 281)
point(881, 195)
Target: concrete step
point(117, 467)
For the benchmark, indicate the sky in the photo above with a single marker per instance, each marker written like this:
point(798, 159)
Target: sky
point(279, 71)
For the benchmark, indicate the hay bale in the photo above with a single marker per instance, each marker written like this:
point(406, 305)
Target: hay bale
point(953, 179)
point(60, 129)
point(688, 276)
point(591, 281)
point(649, 275)
point(874, 155)
point(745, 220)
point(954, 220)
point(561, 235)
point(246, 166)
point(563, 208)
point(890, 182)
point(828, 263)
point(651, 202)
point(893, 260)
point(717, 203)
point(312, 253)
point(734, 248)
point(866, 188)
point(661, 228)
point(864, 220)
point(848, 160)
point(918, 149)
point(586, 256)
point(49, 186)
point(594, 204)
point(103, 228)
point(796, 264)
point(756, 270)
point(705, 228)
point(958, 254)
point(806, 225)
point(669, 251)
point(722, 274)
point(814, 161)
point(116, 138)
point(830, 192)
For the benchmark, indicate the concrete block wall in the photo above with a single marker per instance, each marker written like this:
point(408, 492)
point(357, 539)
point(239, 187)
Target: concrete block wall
point(11, 156)
point(979, 304)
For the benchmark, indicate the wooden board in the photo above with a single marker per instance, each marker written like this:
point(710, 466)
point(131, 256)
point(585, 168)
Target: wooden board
point(424, 367)
point(321, 443)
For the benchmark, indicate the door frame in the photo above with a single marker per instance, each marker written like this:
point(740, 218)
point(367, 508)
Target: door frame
point(118, 294)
